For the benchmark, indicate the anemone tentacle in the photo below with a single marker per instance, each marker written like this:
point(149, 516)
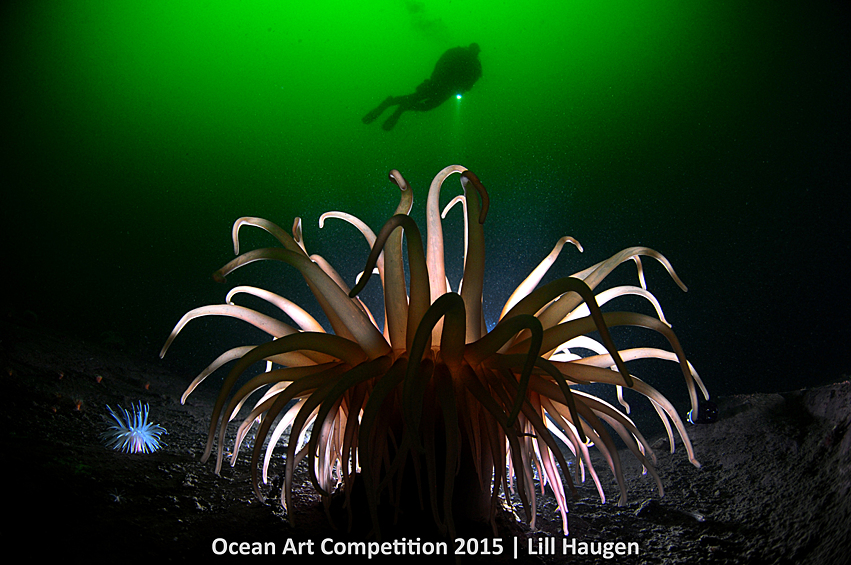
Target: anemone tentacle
point(419, 293)
point(531, 281)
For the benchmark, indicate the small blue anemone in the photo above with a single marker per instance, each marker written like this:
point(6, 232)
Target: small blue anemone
point(132, 432)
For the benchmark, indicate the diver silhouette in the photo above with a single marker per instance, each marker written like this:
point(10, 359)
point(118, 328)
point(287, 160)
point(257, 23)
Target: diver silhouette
point(455, 73)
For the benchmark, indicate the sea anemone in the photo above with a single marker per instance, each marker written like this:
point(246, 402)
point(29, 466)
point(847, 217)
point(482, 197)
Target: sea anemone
point(430, 398)
point(132, 432)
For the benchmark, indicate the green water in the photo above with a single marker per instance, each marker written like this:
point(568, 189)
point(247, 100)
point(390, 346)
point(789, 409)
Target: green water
point(257, 97)
point(138, 131)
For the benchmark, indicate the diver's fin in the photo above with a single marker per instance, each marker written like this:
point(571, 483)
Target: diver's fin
point(370, 117)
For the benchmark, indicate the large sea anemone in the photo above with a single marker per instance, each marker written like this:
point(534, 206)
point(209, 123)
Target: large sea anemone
point(431, 401)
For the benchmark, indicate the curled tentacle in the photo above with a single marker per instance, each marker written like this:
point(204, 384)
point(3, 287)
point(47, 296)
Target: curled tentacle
point(298, 314)
point(537, 299)
point(395, 292)
point(434, 239)
point(419, 275)
point(529, 284)
point(501, 334)
point(355, 320)
point(282, 236)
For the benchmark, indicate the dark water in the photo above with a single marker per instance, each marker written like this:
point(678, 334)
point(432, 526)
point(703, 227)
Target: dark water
point(715, 132)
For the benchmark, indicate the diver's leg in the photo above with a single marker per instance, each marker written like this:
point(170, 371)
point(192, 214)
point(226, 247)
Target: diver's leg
point(371, 116)
point(394, 117)
point(405, 103)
